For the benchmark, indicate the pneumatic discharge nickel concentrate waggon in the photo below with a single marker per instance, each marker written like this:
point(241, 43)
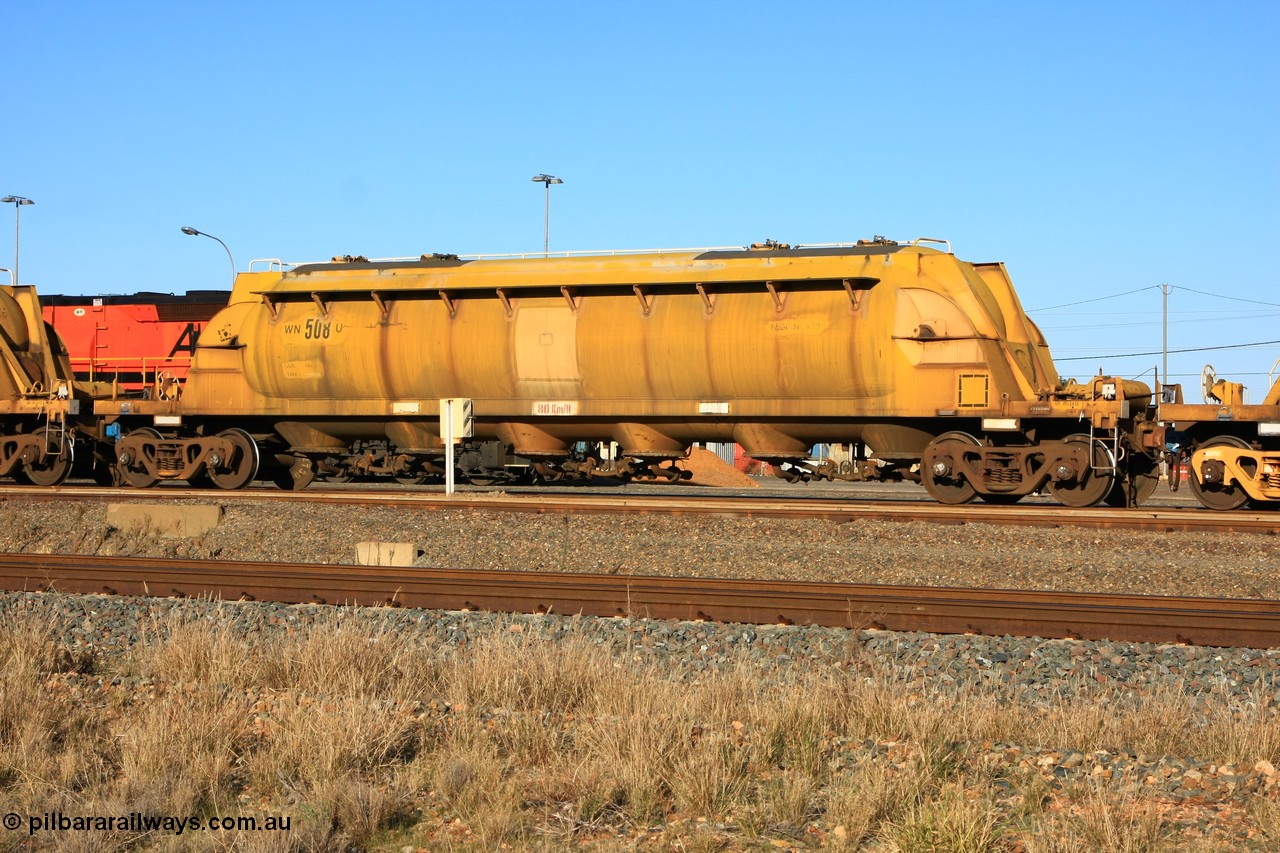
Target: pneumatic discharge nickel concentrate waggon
point(925, 362)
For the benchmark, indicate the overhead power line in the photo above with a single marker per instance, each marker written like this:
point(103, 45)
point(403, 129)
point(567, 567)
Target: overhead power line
point(1156, 287)
point(1099, 299)
point(1161, 352)
point(1139, 324)
point(1235, 375)
point(1221, 296)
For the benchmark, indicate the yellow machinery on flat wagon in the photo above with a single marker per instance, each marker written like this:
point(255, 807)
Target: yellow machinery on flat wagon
point(37, 394)
point(927, 362)
point(1232, 447)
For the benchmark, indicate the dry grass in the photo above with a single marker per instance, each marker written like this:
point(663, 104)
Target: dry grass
point(375, 740)
point(958, 819)
point(1099, 820)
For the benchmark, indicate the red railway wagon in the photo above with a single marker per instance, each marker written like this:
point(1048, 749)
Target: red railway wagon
point(132, 339)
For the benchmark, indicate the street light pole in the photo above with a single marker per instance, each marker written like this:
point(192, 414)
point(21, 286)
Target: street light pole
point(547, 181)
point(17, 201)
point(187, 229)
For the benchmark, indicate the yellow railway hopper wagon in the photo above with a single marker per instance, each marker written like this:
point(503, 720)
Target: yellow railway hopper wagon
point(927, 361)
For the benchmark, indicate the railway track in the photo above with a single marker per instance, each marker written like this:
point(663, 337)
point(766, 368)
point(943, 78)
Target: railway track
point(1134, 618)
point(834, 506)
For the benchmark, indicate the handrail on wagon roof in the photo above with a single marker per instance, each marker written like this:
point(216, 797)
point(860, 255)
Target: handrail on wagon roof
point(917, 241)
point(520, 256)
point(275, 264)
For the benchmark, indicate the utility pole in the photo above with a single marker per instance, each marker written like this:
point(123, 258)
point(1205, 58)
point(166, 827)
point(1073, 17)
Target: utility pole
point(1164, 380)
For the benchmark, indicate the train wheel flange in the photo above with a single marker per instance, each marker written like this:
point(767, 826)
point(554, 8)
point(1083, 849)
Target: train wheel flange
point(1091, 485)
point(1217, 496)
point(943, 477)
point(238, 471)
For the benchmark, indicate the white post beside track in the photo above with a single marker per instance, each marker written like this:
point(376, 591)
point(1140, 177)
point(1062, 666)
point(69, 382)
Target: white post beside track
point(457, 421)
point(448, 446)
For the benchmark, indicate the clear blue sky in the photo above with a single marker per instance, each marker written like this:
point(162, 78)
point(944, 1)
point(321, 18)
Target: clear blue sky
point(1096, 148)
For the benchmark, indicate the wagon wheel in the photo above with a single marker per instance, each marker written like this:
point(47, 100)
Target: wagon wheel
point(411, 479)
point(238, 471)
point(134, 472)
point(1090, 486)
point(51, 470)
point(943, 478)
point(1138, 484)
point(1216, 495)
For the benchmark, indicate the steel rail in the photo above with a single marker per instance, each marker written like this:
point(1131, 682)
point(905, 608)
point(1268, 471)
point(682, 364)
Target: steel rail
point(1156, 619)
point(837, 509)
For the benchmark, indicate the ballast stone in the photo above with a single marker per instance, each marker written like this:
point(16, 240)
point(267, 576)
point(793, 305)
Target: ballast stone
point(166, 520)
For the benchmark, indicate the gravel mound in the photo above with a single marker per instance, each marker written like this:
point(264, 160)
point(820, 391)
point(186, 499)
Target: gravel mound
point(710, 470)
